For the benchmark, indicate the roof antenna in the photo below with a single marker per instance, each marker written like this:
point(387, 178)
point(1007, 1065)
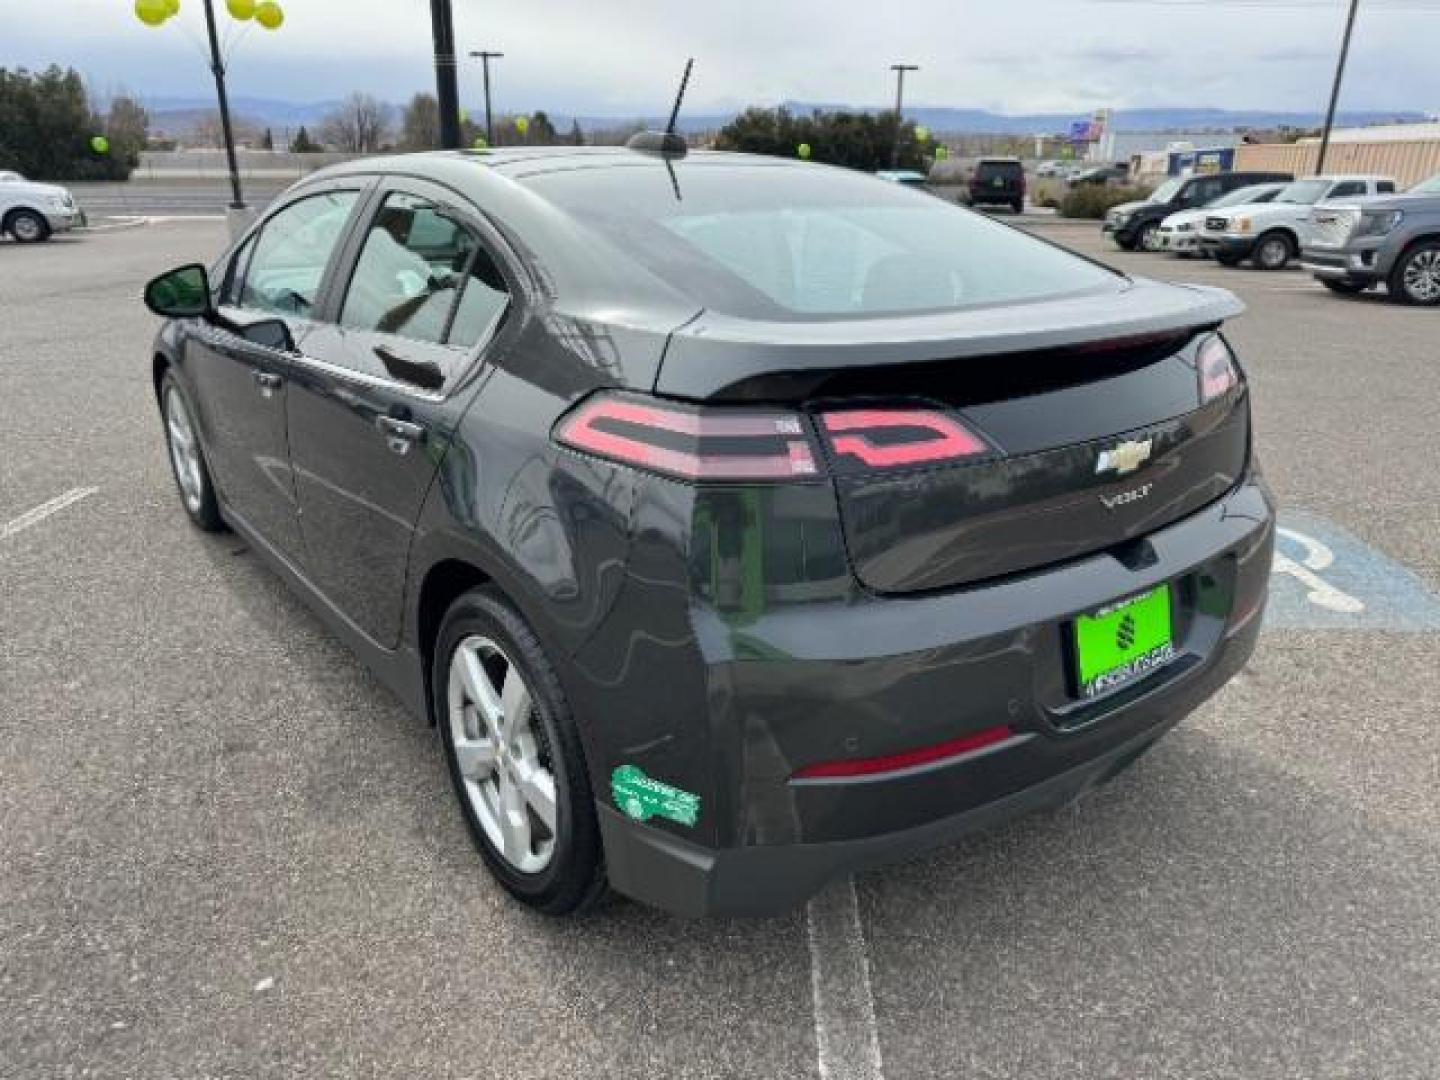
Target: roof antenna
point(667, 142)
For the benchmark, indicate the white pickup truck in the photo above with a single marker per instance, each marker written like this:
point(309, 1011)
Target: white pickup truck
point(31, 212)
point(1271, 234)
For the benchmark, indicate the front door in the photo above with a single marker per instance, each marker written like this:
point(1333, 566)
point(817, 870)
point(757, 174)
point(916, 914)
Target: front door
point(241, 386)
point(366, 432)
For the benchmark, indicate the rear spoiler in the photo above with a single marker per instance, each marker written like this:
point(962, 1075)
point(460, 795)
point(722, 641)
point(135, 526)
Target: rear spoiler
point(715, 351)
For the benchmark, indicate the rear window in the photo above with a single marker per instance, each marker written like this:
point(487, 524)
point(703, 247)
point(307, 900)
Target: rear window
point(1008, 170)
point(780, 242)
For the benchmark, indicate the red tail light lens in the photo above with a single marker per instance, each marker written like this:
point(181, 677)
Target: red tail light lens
point(692, 443)
point(1215, 364)
point(909, 759)
point(896, 437)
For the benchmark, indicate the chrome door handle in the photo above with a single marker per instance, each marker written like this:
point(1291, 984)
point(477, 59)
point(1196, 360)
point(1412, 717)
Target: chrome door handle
point(267, 382)
point(400, 435)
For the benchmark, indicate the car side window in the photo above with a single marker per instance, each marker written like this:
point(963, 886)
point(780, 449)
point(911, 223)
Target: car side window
point(1348, 187)
point(415, 264)
point(235, 274)
point(287, 261)
point(1385, 187)
point(483, 300)
point(1206, 191)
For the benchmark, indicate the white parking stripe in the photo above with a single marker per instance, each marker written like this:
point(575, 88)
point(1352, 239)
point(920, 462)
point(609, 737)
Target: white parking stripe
point(44, 510)
point(846, 1042)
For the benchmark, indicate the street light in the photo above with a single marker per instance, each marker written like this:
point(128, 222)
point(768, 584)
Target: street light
point(485, 58)
point(899, 70)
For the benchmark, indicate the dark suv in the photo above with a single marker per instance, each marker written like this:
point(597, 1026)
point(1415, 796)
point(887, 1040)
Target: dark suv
point(738, 522)
point(998, 182)
point(1137, 224)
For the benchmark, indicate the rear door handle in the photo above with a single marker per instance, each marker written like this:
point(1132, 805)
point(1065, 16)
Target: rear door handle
point(267, 382)
point(400, 435)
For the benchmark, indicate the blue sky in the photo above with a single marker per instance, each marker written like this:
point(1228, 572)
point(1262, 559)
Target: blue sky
point(617, 57)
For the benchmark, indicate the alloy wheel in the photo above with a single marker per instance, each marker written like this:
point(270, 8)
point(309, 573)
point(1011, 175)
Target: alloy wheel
point(1421, 279)
point(27, 228)
point(1150, 237)
point(184, 450)
point(1274, 253)
point(502, 754)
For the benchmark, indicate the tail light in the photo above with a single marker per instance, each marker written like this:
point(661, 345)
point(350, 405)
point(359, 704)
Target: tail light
point(737, 444)
point(692, 443)
point(896, 438)
point(1215, 367)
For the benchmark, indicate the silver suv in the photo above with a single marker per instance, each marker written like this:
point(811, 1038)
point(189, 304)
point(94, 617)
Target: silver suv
point(1393, 239)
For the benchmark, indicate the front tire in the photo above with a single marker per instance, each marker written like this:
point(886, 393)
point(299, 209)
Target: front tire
point(1149, 235)
point(1273, 251)
point(515, 757)
point(187, 458)
point(27, 227)
point(1416, 277)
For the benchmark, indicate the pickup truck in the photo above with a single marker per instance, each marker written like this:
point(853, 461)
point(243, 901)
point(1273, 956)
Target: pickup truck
point(1270, 234)
point(31, 212)
point(1137, 224)
point(1394, 240)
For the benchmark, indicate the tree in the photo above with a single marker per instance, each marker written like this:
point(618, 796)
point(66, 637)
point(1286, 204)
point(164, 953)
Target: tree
point(303, 144)
point(542, 132)
point(360, 125)
point(46, 124)
point(859, 140)
point(127, 126)
point(267, 142)
point(208, 131)
point(420, 124)
point(577, 137)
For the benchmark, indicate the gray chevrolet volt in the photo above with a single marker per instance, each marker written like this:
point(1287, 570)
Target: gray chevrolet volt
point(737, 522)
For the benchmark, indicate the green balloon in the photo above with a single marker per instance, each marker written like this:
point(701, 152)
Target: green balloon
point(941, 153)
point(922, 133)
point(100, 144)
point(803, 150)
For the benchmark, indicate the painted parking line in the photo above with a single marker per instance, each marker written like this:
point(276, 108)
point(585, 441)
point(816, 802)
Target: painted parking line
point(847, 1044)
point(44, 510)
point(1325, 578)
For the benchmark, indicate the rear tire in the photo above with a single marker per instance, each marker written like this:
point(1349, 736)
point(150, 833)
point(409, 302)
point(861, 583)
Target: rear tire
point(1273, 251)
point(27, 227)
point(515, 757)
point(1416, 277)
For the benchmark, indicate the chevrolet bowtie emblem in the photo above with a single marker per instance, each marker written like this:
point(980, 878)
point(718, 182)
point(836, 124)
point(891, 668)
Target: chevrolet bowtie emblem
point(1124, 457)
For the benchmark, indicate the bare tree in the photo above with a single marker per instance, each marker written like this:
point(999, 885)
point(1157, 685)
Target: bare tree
point(360, 125)
point(420, 126)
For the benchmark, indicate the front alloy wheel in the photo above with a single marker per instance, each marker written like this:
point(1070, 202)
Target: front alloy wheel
point(1416, 280)
point(1150, 236)
point(1272, 252)
point(28, 227)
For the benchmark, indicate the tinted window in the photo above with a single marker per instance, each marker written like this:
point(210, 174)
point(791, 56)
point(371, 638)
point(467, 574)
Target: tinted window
point(288, 260)
point(409, 272)
point(1203, 191)
point(1385, 187)
point(998, 170)
point(760, 241)
point(1349, 187)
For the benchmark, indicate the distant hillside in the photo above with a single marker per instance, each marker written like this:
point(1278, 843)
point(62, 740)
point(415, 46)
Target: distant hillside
point(179, 114)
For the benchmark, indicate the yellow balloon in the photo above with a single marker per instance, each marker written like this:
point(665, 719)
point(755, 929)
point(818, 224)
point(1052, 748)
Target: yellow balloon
point(522, 124)
point(240, 9)
point(269, 15)
point(152, 12)
point(922, 133)
point(174, 6)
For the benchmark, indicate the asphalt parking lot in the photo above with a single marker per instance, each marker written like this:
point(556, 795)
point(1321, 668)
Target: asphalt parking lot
point(228, 853)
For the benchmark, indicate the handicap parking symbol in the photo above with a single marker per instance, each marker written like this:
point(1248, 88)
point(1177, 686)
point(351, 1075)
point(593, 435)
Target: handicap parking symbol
point(1324, 578)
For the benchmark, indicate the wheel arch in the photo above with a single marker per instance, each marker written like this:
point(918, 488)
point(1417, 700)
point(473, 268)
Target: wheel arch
point(1291, 237)
point(23, 208)
point(444, 583)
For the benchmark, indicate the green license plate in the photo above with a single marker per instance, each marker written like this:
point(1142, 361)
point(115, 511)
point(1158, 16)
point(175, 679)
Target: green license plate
point(1124, 641)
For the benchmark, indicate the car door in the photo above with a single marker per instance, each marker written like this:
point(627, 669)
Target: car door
point(423, 294)
point(240, 384)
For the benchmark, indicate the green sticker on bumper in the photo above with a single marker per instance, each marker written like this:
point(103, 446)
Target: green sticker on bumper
point(1124, 641)
point(642, 798)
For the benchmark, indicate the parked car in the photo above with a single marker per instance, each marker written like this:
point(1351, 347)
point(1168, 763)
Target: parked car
point(1392, 240)
point(1269, 234)
point(1137, 224)
point(907, 177)
point(998, 181)
point(1050, 168)
point(1102, 174)
point(738, 522)
point(32, 212)
point(1180, 232)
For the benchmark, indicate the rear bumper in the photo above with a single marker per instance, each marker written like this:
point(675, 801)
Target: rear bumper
point(890, 674)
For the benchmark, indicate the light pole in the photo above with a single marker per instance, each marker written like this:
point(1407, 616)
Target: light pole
point(217, 68)
point(899, 70)
point(1335, 90)
point(447, 95)
point(485, 58)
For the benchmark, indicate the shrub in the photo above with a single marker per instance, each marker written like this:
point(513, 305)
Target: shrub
point(1094, 200)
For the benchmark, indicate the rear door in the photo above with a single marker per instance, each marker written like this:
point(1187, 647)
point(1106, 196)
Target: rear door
point(240, 385)
point(422, 292)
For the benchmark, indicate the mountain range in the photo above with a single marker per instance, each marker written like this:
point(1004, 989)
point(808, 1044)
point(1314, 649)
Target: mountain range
point(177, 114)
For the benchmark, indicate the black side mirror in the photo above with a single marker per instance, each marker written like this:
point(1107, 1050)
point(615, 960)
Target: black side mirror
point(182, 293)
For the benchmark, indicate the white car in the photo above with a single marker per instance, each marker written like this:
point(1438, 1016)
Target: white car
point(1271, 234)
point(31, 212)
point(1180, 232)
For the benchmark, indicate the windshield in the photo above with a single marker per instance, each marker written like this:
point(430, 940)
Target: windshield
point(780, 242)
point(1167, 191)
point(1303, 191)
point(1427, 187)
